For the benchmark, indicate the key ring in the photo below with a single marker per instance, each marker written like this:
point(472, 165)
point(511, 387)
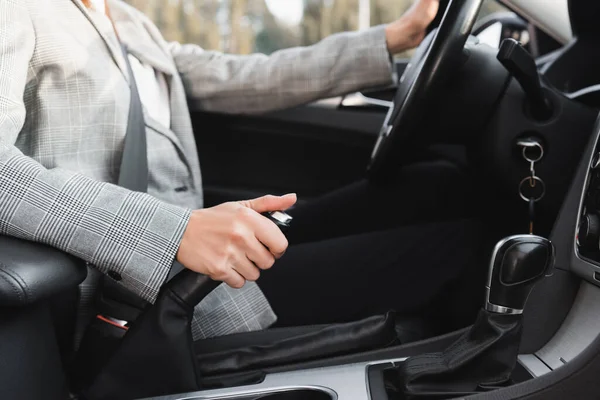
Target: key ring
point(534, 179)
point(529, 145)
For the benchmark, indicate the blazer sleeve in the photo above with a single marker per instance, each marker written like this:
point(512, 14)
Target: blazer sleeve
point(337, 65)
point(132, 234)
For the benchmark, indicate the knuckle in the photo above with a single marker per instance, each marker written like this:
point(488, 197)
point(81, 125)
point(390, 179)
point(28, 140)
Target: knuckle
point(281, 245)
point(224, 255)
point(244, 213)
point(268, 262)
point(238, 233)
point(254, 275)
point(220, 271)
point(238, 284)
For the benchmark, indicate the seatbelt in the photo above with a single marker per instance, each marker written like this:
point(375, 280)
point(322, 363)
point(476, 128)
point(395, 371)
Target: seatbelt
point(133, 174)
point(115, 301)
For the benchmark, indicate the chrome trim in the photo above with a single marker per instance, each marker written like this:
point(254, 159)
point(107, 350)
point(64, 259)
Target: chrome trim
point(502, 310)
point(281, 217)
point(360, 100)
point(498, 309)
point(533, 365)
point(342, 382)
point(249, 394)
point(393, 361)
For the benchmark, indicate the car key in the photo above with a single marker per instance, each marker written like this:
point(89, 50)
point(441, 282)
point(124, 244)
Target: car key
point(279, 218)
point(531, 215)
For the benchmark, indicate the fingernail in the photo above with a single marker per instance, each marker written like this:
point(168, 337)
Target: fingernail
point(290, 195)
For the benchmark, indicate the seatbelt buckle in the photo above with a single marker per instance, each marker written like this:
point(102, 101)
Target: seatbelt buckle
point(116, 303)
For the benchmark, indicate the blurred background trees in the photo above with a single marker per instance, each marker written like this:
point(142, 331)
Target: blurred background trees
point(246, 26)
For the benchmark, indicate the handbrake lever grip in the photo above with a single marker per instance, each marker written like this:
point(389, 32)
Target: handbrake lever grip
point(192, 287)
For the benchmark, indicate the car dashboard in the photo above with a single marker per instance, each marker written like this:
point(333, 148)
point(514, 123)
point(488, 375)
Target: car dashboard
point(574, 236)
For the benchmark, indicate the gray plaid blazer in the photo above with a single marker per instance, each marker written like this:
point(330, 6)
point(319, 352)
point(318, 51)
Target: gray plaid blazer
point(64, 98)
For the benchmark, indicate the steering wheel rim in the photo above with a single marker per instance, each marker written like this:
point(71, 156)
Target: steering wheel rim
point(438, 56)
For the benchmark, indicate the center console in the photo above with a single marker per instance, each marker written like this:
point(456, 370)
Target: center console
point(361, 381)
point(374, 376)
point(482, 358)
point(354, 381)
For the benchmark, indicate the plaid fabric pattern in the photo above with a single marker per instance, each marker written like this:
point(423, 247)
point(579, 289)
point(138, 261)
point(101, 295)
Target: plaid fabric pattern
point(64, 98)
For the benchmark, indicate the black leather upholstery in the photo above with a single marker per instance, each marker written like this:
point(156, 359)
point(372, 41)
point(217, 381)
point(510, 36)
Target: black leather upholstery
point(30, 272)
point(282, 346)
point(158, 357)
point(30, 363)
point(483, 358)
point(38, 289)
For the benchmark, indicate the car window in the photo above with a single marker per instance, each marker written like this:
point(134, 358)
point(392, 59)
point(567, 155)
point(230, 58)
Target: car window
point(247, 26)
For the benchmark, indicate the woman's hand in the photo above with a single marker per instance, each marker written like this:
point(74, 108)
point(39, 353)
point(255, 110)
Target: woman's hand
point(232, 242)
point(408, 31)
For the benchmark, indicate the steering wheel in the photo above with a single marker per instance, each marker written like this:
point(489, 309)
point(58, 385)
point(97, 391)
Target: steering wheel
point(437, 57)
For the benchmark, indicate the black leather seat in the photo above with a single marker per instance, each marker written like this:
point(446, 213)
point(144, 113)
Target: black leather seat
point(38, 289)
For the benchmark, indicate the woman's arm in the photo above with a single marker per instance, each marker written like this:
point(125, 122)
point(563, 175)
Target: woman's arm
point(132, 234)
point(339, 64)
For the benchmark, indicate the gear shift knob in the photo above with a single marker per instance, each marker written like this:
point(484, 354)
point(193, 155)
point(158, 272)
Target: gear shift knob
point(517, 263)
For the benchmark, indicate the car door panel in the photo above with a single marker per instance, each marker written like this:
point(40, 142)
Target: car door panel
point(309, 150)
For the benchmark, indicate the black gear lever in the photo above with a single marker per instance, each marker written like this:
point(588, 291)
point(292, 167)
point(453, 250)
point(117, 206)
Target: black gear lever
point(517, 263)
point(484, 357)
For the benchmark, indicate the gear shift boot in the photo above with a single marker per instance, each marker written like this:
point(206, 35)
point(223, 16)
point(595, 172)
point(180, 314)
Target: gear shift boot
point(482, 359)
point(486, 355)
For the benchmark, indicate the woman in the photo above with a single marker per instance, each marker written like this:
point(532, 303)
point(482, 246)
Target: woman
point(65, 94)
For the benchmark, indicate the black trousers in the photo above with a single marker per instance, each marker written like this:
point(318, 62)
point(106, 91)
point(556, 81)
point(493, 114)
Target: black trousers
point(365, 250)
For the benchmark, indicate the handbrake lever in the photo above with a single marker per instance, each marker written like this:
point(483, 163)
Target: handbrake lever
point(192, 287)
point(159, 342)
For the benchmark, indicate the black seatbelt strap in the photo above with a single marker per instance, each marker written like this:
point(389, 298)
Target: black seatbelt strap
point(133, 174)
point(114, 300)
